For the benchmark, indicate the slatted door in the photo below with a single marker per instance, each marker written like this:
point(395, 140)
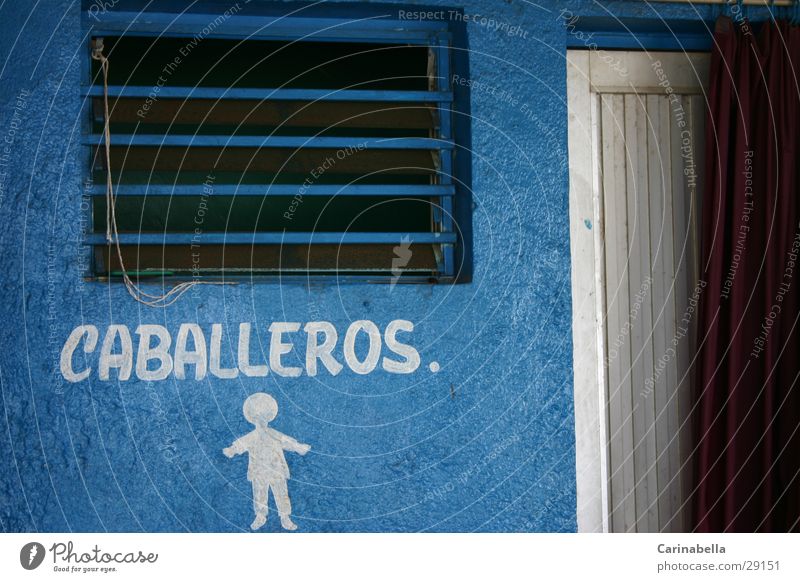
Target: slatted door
point(636, 142)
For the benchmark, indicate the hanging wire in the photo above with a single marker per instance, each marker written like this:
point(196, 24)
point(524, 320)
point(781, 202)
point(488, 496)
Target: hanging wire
point(112, 234)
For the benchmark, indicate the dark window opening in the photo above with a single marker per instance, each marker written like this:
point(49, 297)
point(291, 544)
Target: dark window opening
point(266, 214)
point(233, 63)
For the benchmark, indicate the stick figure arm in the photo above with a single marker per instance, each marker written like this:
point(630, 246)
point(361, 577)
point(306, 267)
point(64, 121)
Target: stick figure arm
point(290, 444)
point(237, 448)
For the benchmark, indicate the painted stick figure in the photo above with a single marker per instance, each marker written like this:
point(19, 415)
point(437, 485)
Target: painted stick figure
point(267, 467)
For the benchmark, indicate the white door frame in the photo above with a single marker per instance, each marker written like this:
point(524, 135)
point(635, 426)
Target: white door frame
point(588, 72)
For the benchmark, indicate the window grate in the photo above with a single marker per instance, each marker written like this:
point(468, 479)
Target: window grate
point(295, 151)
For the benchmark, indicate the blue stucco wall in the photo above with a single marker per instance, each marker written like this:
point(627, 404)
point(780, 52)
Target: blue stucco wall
point(486, 444)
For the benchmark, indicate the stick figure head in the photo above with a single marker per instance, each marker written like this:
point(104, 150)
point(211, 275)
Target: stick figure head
point(260, 408)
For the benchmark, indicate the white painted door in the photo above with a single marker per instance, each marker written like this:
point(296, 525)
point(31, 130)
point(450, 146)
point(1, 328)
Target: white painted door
point(635, 146)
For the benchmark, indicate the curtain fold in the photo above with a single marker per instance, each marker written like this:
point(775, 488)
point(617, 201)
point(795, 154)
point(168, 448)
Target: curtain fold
point(747, 391)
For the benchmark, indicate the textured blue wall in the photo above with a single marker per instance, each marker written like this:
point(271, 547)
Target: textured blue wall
point(485, 444)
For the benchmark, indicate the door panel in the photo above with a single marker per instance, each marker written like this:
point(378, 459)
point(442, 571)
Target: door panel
point(635, 154)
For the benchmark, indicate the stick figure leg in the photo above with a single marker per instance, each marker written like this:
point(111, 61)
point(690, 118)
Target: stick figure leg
point(280, 491)
point(260, 493)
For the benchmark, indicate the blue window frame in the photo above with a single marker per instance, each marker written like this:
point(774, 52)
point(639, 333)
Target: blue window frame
point(396, 207)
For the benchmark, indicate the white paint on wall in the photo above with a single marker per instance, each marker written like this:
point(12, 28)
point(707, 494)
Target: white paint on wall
point(148, 353)
point(215, 355)
point(410, 355)
point(186, 357)
point(267, 467)
point(371, 360)
point(253, 371)
point(156, 356)
point(324, 351)
point(278, 348)
point(122, 361)
point(68, 350)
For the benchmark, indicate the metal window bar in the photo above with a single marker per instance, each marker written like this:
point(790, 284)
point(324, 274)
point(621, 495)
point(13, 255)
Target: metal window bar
point(379, 28)
point(271, 94)
point(274, 238)
point(441, 49)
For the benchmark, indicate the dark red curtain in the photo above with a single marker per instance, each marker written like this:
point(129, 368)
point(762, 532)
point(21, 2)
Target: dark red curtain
point(747, 393)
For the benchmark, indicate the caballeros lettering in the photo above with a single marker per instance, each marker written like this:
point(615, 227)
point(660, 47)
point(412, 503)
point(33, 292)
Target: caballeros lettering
point(151, 353)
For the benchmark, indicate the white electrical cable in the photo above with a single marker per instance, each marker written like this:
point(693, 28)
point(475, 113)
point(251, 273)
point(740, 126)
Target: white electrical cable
point(112, 235)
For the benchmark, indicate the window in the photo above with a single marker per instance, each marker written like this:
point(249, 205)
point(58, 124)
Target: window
point(259, 144)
